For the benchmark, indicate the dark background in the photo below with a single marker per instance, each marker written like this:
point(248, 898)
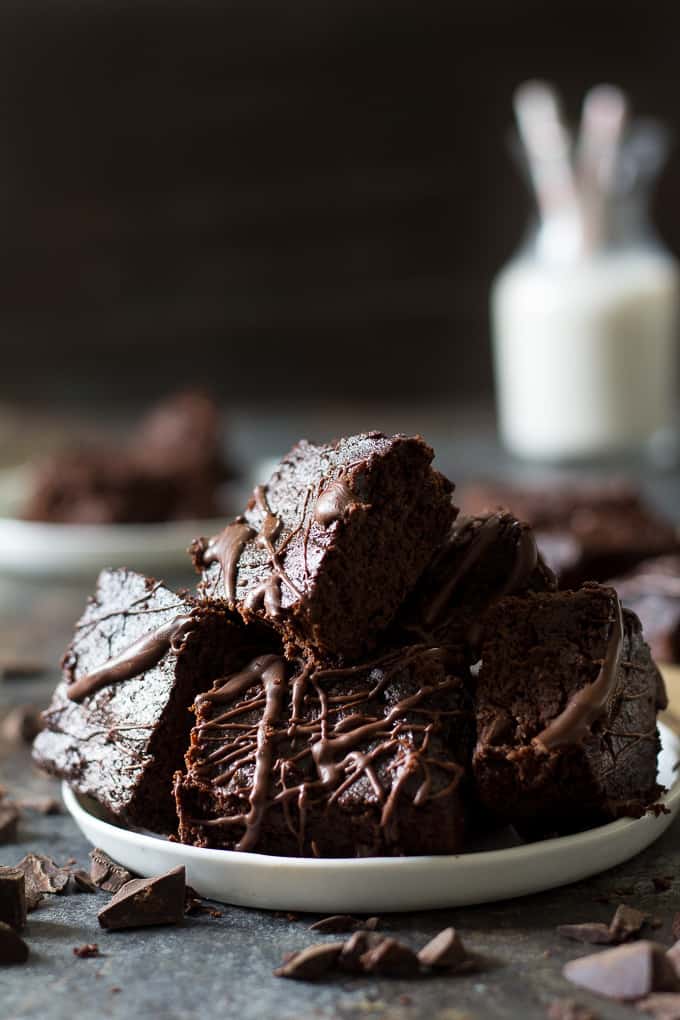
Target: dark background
point(284, 201)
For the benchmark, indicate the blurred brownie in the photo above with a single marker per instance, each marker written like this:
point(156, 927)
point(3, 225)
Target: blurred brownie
point(483, 559)
point(119, 721)
point(586, 531)
point(171, 468)
point(327, 551)
point(566, 704)
point(652, 592)
point(330, 762)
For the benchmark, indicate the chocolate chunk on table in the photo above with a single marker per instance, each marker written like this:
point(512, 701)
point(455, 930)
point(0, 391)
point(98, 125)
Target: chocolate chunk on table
point(12, 897)
point(146, 901)
point(13, 949)
point(626, 972)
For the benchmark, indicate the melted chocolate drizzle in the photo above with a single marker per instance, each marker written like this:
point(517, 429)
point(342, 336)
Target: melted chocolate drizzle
point(338, 751)
point(226, 549)
point(332, 503)
point(588, 704)
point(143, 654)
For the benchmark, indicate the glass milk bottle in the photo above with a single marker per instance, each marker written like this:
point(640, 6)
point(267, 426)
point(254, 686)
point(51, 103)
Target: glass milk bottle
point(584, 335)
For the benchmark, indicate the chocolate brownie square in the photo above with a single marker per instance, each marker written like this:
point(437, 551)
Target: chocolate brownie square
point(327, 551)
point(652, 592)
point(330, 762)
point(119, 721)
point(482, 559)
point(566, 702)
point(587, 531)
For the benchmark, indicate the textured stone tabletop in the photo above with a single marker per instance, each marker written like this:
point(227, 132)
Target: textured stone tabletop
point(222, 966)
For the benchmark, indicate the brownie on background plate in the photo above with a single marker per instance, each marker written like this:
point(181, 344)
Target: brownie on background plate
point(652, 591)
point(566, 702)
point(367, 760)
point(587, 531)
point(327, 550)
point(119, 721)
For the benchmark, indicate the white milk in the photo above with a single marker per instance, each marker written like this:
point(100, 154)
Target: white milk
point(585, 351)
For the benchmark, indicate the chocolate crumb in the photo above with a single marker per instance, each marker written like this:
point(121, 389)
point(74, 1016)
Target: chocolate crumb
point(662, 883)
point(106, 873)
point(354, 949)
point(146, 901)
point(310, 963)
point(88, 950)
point(626, 923)
point(444, 952)
point(13, 949)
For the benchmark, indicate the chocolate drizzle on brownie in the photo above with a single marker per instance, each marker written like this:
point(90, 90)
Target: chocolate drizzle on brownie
point(225, 549)
point(590, 702)
point(332, 503)
point(341, 744)
point(140, 656)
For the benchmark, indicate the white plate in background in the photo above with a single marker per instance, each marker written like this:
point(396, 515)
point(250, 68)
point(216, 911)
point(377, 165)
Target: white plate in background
point(383, 884)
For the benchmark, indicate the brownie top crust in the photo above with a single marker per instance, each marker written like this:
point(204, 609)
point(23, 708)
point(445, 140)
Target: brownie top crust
point(329, 548)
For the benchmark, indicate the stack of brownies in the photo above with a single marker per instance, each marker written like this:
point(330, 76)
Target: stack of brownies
point(361, 671)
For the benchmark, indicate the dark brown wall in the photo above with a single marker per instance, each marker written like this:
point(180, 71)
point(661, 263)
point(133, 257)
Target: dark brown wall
point(299, 197)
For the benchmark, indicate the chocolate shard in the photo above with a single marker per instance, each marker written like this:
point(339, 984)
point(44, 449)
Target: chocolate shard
point(146, 901)
point(591, 932)
point(12, 897)
point(42, 876)
point(310, 963)
point(444, 952)
point(354, 949)
point(662, 1006)
point(391, 958)
point(626, 923)
point(9, 821)
point(625, 972)
point(569, 1009)
point(82, 882)
point(106, 873)
point(13, 949)
point(88, 950)
point(336, 924)
point(370, 924)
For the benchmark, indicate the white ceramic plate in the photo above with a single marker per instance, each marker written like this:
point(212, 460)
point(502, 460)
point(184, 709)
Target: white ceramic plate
point(36, 549)
point(383, 884)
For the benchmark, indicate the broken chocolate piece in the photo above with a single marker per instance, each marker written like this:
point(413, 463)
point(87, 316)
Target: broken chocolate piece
point(310, 963)
point(444, 952)
point(592, 932)
point(82, 882)
point(146, 901)
point(12, 897)
point(626, 923)
point(391, 958)
point(88, 950)
point(13, 949)
point(354, 949)
point(662, 1006)
point(569, 1009)
point(106, 873)
point(626, 972)
point(42, 876)
point(9, 821)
